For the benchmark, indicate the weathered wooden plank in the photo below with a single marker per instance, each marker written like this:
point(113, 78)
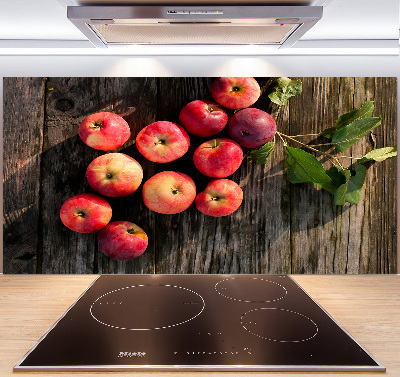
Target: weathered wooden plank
point(252, 240)
point(380, 251)
point(175, 239)
point(312, 210)
point(22, 135)
point(66, 157)
point(345, 240)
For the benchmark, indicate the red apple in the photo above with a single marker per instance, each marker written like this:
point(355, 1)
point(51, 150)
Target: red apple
point(252, 127)
point(235, 92)
point(218, 158)
point(162, 141)
point(122, 240)
point(169, 192)
point(221, 197)
point(104, 131)
point(114, 174)
point(85, 213)
point(203, 118)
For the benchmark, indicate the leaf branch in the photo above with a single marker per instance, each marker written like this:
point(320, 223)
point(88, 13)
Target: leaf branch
point(329, 156)
point(345, 184)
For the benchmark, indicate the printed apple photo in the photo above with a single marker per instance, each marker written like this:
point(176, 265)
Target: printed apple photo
point(200, 175)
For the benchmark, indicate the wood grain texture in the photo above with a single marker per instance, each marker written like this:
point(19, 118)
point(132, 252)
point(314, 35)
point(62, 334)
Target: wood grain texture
point(23, 139)
point(348, 239)
point(279, 228)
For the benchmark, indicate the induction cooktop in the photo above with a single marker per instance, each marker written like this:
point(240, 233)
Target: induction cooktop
point(197, 322)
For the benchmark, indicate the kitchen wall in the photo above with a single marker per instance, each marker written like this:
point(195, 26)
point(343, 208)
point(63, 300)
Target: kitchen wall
point(67, 65)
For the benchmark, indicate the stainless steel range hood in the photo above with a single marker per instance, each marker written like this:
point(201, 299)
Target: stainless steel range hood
point(115, 26)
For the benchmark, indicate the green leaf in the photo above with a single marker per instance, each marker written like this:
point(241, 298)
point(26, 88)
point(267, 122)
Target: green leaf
point(350, 190)
point(344, 138)
point(338, 177)
point(340, 193)
point(379, 155)
point(285, 89)
point(262, 154)
point(365, 111)
point(304, 167)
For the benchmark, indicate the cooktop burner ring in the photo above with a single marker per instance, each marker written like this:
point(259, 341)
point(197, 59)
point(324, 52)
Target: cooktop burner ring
point(278, 296)
point(197, 310)
point(307, 325)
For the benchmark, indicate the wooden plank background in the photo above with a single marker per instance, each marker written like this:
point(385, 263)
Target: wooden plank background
point(280, 227)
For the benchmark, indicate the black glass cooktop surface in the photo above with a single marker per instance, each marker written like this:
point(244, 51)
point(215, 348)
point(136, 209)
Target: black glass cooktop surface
point(197, 322)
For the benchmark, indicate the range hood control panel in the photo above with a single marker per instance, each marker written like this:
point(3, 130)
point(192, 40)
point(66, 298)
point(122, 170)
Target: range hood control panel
point(218, 12)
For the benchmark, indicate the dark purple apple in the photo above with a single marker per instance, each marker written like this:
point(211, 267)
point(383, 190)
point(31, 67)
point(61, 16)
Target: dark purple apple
point(251, 127)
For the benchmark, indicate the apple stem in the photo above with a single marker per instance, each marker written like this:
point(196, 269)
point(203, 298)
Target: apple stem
point(212, 108)
point(175, 191)
point(96, 125)
point(80, 214)
point(213, 146)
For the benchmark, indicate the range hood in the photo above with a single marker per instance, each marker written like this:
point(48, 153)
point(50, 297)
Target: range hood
point(123, 25)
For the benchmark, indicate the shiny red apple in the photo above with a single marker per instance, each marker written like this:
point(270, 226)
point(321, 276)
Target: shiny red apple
point(218, 158)
point(104, 131)
point(169, 192)
point(163, 141)
point(235, 92)
point(203, 118)
point(221, 197)
point(122, 240)
point(85, 213)
point(114, 174)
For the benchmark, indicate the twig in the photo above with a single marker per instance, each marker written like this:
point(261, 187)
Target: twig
point(311, 148)
point(306, 135)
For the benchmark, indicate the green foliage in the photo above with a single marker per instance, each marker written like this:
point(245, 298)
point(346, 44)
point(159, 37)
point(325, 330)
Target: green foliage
point(304, 167)
point(345, 184)
point(262, 154)
point(365, 111)
point(338, 177)
point(349, 192)
point(344, 138)
point(285, 89)
point(379, 155)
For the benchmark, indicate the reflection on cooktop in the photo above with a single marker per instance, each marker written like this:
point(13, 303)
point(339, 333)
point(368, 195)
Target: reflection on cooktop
point(197, 322)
